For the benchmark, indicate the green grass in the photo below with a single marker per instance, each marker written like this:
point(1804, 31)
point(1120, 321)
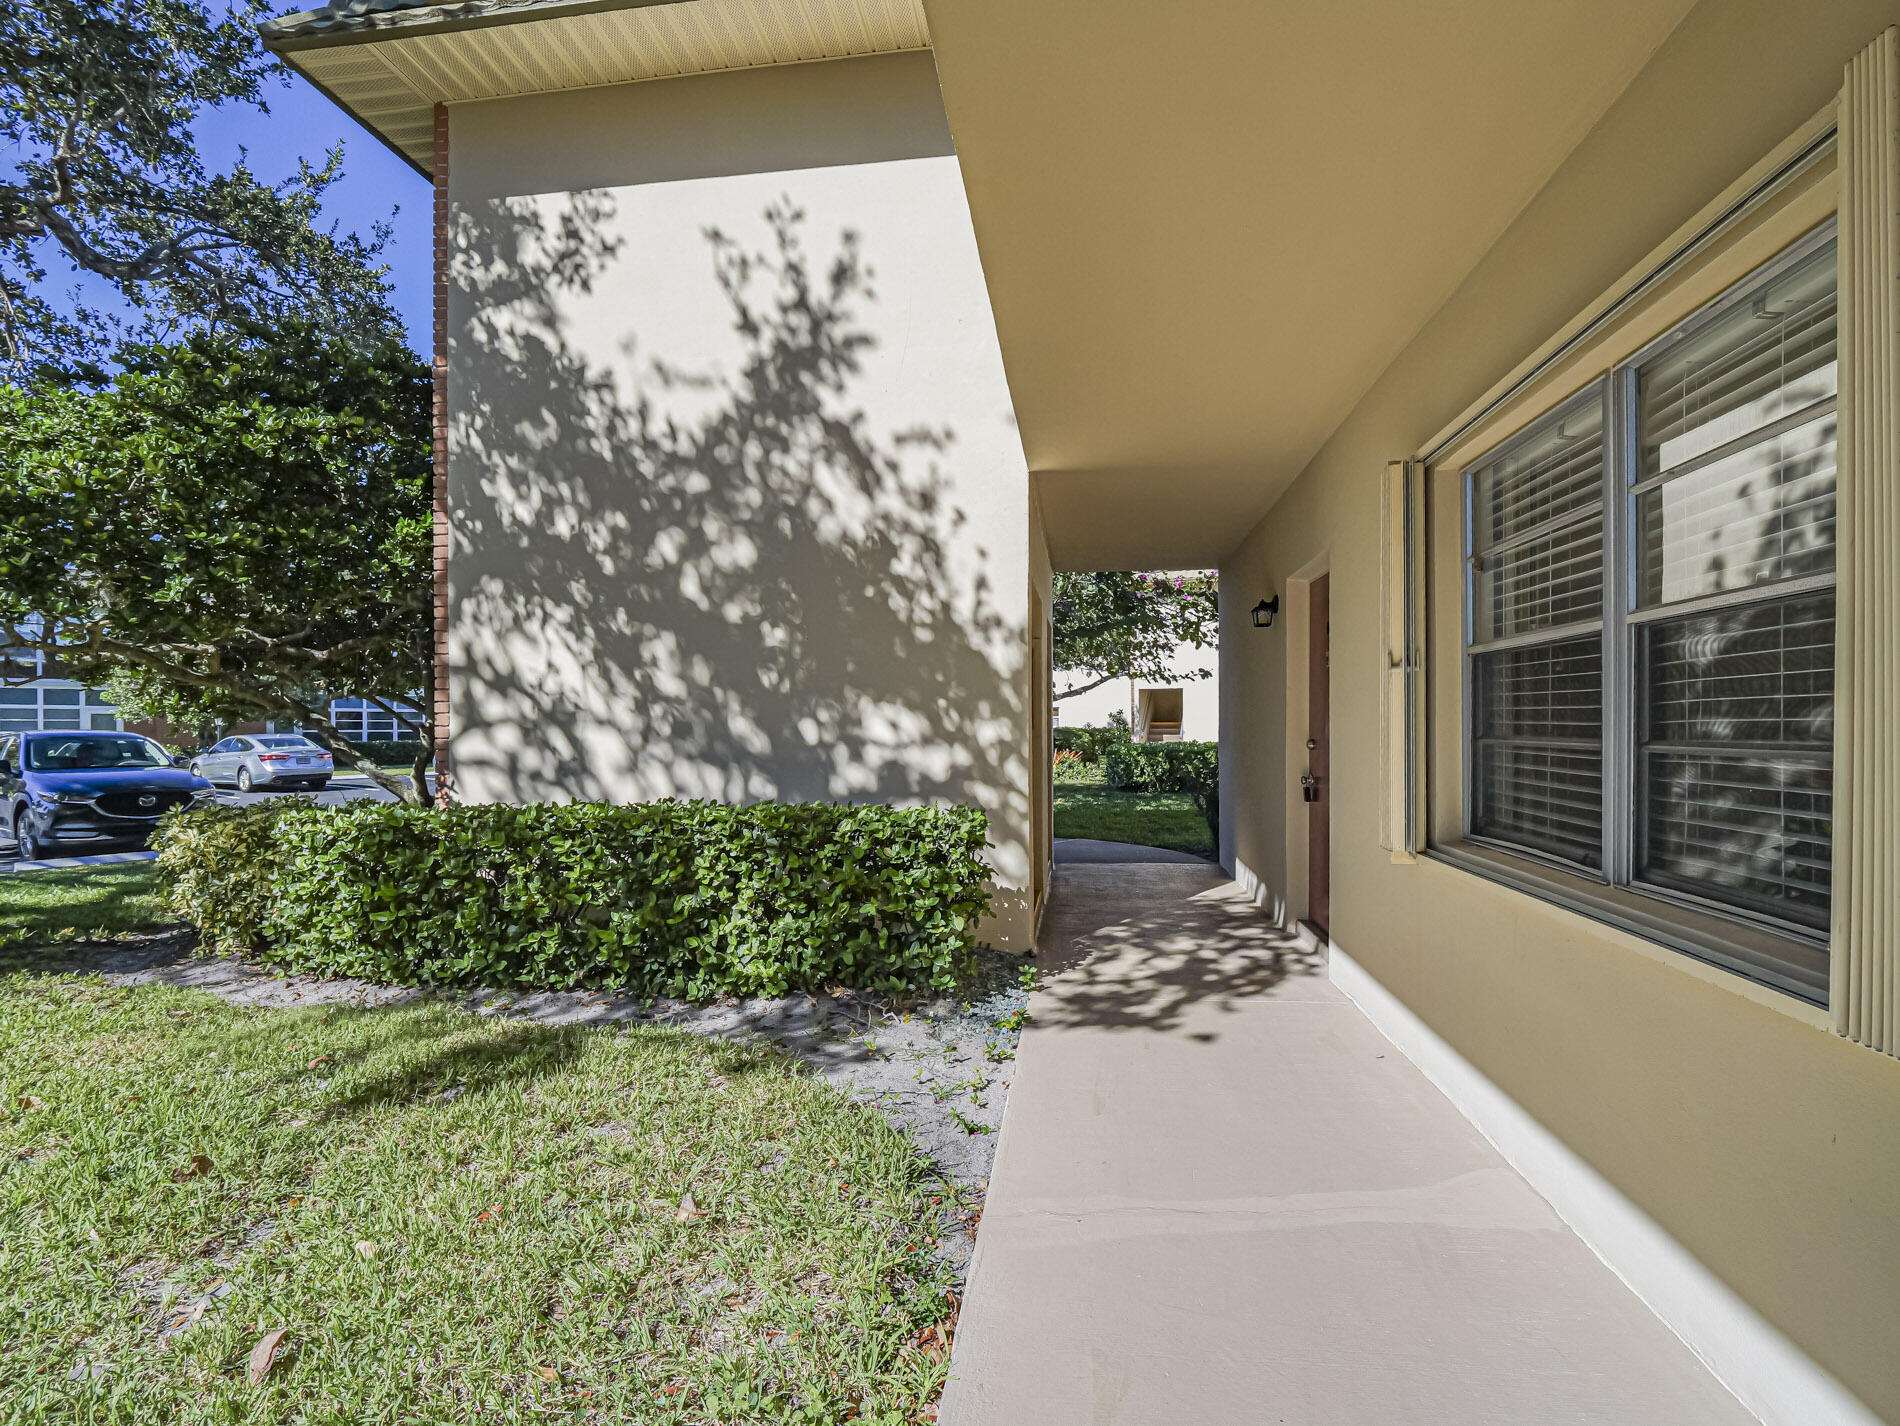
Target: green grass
point(1149, 819)
point(458, 1219)
point(85, 903)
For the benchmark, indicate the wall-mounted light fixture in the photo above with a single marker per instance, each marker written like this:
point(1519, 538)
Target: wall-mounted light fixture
point(1264, 611)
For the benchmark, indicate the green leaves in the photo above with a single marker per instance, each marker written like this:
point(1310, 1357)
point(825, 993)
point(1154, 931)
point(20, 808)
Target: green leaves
point(1192, 768)
point(1121, 624)
point(681, 898)
point(235, 526)
point(102, 174)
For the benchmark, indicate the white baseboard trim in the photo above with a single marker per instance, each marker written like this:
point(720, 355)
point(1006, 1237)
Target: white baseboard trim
point(1767, 1373)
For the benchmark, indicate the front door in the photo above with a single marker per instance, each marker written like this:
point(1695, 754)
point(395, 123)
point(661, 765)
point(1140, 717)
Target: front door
point(1319, 790)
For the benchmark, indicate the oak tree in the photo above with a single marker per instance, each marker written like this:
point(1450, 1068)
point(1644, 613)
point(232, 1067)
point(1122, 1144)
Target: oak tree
point(236, 525)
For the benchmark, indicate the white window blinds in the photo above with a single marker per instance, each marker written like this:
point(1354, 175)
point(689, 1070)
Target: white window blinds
point(1536, 587)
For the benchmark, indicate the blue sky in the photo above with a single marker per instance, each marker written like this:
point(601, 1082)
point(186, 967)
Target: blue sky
point(303, 124)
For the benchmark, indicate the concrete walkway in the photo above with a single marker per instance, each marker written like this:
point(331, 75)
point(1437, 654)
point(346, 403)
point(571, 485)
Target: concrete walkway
point(1222, 1197)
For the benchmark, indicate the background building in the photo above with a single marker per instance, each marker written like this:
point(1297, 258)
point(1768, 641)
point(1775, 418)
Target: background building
point(1175, 710)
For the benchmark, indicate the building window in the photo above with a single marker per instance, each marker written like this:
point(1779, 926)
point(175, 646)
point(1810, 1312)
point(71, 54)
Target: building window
point(361, 721)
point(1650, 614)
point(1536, 637)
point(22, 710)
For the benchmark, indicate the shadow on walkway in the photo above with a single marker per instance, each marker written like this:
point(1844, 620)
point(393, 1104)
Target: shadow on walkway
point(1139, 949)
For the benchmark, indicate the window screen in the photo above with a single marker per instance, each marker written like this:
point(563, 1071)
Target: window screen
point(1717, 720)
point(1735, 512)
point(1537, 656)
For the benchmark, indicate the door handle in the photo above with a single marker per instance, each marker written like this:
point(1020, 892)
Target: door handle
point(1309, 787)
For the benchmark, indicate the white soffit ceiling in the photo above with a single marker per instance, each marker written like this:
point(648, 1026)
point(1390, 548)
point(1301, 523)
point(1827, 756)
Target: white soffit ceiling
point(391, 82)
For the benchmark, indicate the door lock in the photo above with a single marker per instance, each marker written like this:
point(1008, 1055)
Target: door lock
point(1309, 787)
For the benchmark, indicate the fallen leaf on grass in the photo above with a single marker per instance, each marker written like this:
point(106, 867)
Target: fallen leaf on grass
point(689, 1210)
point(547, 1373)
point(488, 1212)
point(198, 1166)
point(264, 1355)
point(27, 1101)
point(322, 1060)
point(365, 1248)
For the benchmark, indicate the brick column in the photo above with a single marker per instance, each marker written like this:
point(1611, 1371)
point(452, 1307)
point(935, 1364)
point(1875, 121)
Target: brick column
point(440, 713)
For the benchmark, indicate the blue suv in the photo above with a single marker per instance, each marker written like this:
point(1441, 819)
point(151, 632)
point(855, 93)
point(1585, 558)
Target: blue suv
point(66, 794)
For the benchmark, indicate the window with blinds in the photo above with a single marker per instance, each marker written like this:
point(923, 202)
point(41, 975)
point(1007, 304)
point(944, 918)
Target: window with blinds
point(1735, 602)
point(1536, 638)
point(1702, 584)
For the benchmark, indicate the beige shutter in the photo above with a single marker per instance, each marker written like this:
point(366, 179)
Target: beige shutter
point(1402, 520)
point(1865, 992)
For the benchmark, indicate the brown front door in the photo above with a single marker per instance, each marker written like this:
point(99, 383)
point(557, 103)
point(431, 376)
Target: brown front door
point(1319, 790)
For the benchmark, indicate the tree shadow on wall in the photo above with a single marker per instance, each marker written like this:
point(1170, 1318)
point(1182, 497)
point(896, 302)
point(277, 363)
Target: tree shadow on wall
point(725, 586)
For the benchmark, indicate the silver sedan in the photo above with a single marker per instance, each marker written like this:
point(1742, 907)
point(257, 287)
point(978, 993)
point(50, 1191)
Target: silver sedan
point(266, 760)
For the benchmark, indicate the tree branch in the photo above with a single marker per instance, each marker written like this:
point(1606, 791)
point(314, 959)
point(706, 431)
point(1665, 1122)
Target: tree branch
point(1084, 688)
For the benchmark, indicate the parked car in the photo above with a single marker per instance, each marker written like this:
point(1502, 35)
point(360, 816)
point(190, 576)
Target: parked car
point(270, 760)
point(73, 793)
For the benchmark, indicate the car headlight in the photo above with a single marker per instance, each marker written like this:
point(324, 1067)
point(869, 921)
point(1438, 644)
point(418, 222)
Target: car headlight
point(72, 797)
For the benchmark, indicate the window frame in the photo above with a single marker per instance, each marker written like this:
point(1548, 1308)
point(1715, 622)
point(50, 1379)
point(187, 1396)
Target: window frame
point(1601, 890)
point(1471, 651)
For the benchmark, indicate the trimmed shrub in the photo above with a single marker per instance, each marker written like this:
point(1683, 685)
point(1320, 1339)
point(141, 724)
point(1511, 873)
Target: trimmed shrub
point(1191, 768)
point(1090, 744)
point(678, 898)
point(215, 864)
point(384, 752)
point(390, 752)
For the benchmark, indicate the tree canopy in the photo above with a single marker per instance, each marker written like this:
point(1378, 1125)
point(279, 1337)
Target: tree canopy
point(1124, 624)
point(100, 174)
point(237, 525)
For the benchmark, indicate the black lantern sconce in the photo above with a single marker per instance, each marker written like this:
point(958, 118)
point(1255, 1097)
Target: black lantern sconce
point(1264, 611)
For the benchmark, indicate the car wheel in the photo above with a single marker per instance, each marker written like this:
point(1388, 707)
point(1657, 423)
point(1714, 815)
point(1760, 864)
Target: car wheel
point(244, 779)
point(26, 845)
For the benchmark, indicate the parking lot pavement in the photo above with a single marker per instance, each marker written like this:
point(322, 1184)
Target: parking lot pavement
point(344, 787)
point(10, 863)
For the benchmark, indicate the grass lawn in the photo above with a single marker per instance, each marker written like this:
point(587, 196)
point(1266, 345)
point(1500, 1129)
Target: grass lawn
point(453, 1218)
point(1149, 819)
point(85, 903)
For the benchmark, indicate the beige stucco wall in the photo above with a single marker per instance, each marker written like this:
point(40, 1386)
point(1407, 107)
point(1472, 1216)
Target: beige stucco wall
point(738, 505)
point(1769, 1147)
point(1200, 697)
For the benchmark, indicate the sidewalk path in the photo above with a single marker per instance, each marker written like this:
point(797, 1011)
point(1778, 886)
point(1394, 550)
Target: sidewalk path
point(1222, 1197)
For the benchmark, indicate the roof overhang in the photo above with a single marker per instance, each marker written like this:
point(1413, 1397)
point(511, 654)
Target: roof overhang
point(1207, 228)
point(390, 62)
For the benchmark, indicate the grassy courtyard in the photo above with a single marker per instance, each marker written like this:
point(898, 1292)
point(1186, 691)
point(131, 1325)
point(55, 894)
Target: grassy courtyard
point(450, 1218)
point(1084, 807)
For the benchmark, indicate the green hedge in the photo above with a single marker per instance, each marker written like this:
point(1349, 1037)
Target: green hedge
point(678, 898)
point(389, 751)
point(1192, 768)
point(1090, 744)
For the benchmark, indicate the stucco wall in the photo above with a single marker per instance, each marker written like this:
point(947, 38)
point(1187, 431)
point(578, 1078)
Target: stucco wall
point(738, 505)
point(1763, 1143)
point(1200, 697)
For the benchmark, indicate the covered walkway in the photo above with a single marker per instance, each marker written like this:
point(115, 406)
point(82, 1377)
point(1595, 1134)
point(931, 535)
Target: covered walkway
point(1222, 1196)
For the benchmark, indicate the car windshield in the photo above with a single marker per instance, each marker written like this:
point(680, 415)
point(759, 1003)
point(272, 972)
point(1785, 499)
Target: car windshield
point(80, 751)
point(279, 741)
